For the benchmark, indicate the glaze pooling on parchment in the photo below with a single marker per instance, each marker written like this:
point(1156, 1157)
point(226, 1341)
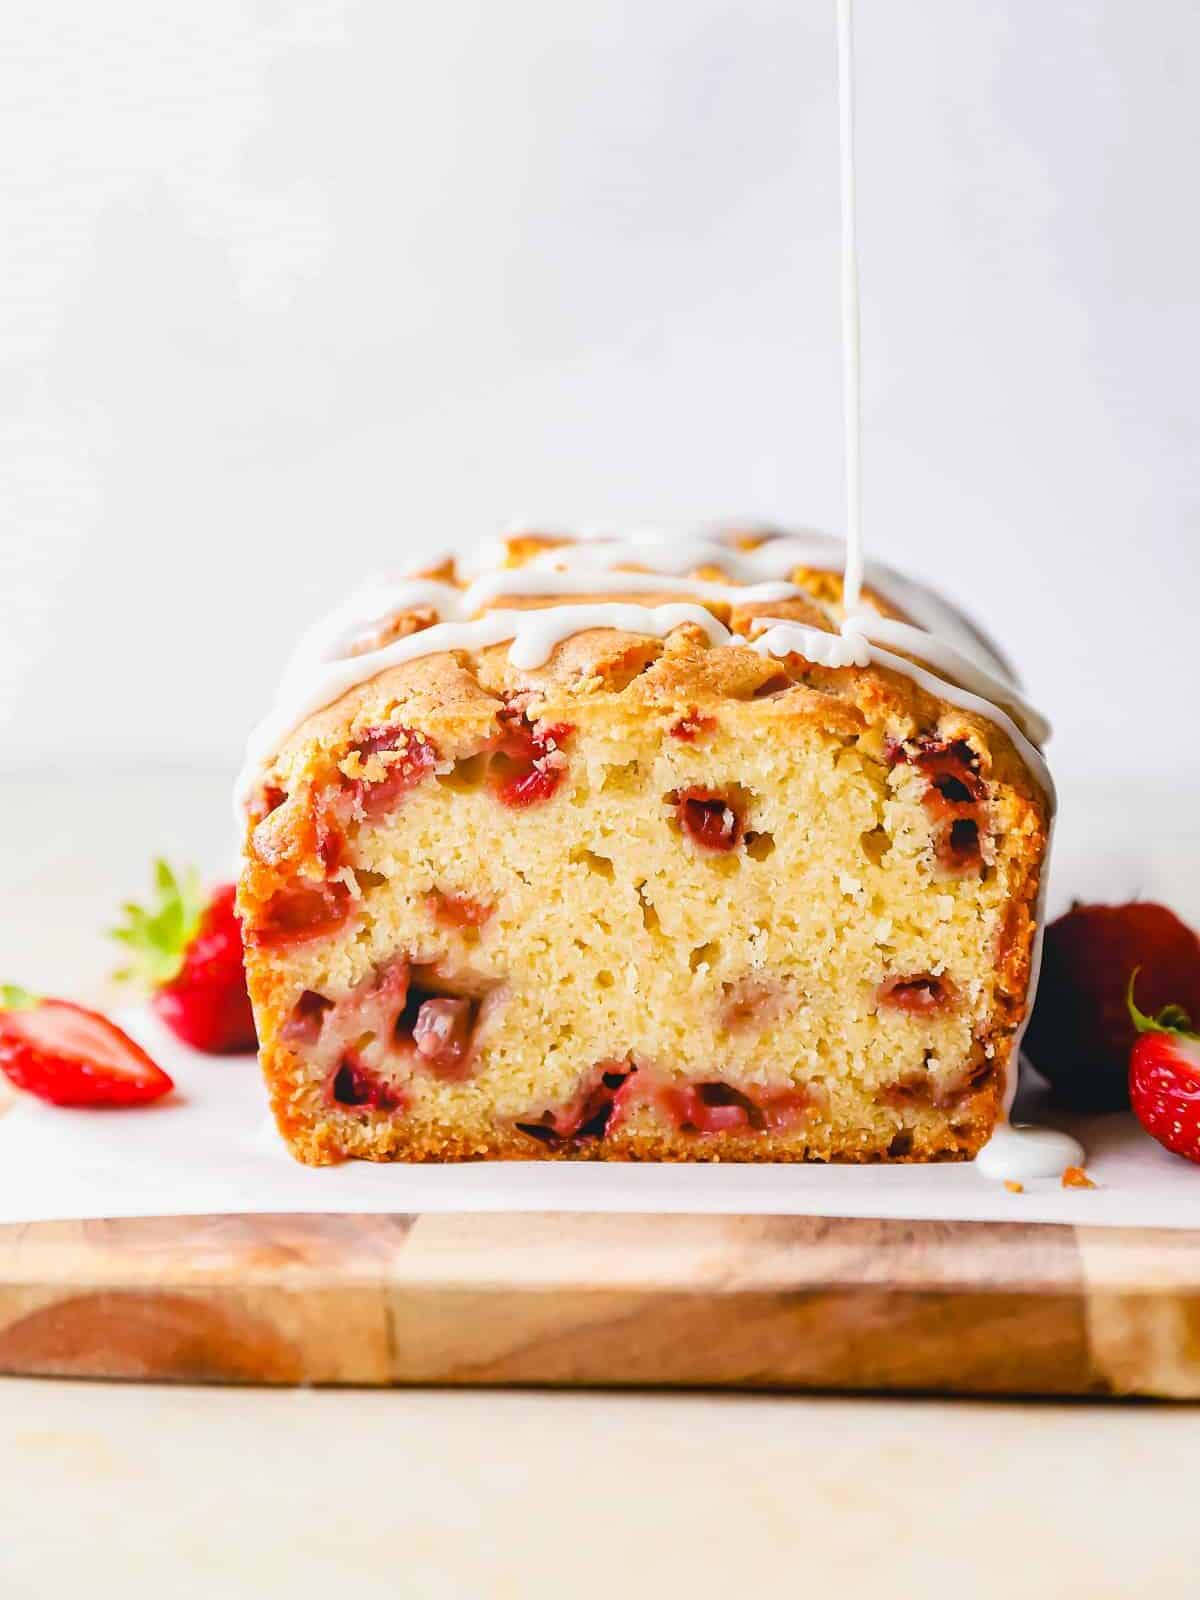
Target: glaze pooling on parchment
point(1018, 1152)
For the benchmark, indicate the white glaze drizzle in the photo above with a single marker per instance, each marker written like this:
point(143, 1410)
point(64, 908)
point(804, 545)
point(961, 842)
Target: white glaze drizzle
point(522, 582)
point(851, 363)
point(381, 600)
point(952, 664)
point(776, 558)
point(852, 648)
point(372, 606)
point(539, 633)
point(533, 637)
point(318, 671)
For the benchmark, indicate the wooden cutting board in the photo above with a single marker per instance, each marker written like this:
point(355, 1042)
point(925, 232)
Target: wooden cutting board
point(748, 1302)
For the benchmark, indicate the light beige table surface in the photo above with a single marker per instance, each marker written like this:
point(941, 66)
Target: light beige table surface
point(136, 1491)
point(197, 1493)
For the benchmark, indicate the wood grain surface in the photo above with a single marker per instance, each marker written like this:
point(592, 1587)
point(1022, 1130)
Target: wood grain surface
point(746, 1302)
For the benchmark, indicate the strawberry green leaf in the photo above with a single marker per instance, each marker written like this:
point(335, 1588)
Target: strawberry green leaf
point(157, 936)
point(1171, 1019)
point(14, 998)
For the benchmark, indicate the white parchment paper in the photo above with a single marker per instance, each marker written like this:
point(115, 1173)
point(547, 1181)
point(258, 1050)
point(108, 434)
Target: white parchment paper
point(212, 1148)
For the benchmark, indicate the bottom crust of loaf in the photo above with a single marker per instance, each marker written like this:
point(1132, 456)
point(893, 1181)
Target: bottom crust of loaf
point(325, 1141)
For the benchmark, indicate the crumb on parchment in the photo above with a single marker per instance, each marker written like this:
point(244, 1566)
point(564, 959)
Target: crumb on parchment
point(1076, 1178)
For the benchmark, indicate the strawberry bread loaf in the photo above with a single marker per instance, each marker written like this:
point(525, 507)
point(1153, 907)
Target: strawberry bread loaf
point(643, 849)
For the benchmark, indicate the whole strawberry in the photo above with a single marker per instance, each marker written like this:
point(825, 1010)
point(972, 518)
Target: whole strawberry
point(189, 950)
point(1080, 1034)
point(73, 1057)
point(1164, 1078)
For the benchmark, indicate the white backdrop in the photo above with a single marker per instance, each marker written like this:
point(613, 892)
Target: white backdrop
point(293, 290)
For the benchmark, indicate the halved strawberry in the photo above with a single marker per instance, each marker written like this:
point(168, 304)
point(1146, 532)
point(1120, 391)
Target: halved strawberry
point(73, 1057)
point(1164, 1077)
point(189, 950)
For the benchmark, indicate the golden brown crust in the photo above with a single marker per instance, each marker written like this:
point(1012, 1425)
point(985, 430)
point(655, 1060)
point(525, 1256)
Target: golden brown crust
point(461, 689)
point(455, 697)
